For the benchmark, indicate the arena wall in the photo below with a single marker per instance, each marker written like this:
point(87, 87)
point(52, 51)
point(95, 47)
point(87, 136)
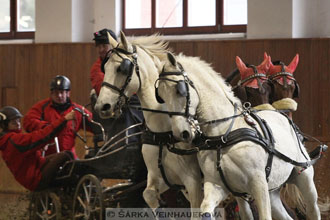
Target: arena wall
point(26, 70)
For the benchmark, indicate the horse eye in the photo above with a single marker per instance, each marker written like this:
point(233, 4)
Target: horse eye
point(118, 69)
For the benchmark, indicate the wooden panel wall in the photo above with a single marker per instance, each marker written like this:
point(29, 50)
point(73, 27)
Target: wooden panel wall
point(26, 70)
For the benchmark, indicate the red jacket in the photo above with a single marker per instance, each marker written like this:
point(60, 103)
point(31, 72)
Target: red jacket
point(97, 76)
point(43, 113)
point(22, 155)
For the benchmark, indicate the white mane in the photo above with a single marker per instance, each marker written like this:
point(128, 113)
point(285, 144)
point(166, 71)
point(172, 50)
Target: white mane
point(154, 46)
point(200, 66)
point(198, 70)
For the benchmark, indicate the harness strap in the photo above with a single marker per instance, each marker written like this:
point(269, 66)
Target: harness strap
point(157, 138)
point(237, 194)
point(111, 86)
point(165, 138)
point(162, 171)
point(160, 139)
point(244, 134)
point(268, 136)
point(157, 111)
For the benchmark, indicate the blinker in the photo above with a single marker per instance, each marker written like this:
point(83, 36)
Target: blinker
point(126, 67)
point(181, 88)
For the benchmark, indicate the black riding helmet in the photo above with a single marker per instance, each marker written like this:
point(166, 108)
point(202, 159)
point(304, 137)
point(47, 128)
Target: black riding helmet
point(60, 83)
point(8, 113)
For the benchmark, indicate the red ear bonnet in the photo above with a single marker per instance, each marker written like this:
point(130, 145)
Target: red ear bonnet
point(247, 72)
point(275, 69)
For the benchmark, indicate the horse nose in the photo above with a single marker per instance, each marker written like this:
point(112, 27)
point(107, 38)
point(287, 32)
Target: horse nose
point(185, 135)
point(106, 107)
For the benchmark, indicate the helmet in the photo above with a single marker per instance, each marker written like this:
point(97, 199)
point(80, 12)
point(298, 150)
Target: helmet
point(9, 113)
point(101, 36)
point(61, 83)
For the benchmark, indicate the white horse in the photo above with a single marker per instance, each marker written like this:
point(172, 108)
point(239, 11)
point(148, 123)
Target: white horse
point(133, 68)
point(243, 163)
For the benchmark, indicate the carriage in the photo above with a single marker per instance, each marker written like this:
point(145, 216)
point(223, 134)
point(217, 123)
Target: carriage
point(112, 175)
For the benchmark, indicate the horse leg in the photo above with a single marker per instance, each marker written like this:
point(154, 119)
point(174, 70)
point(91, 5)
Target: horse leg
point(155, 183)
point(152, 192)
point(278, 210)
point(213, 195)
point(193, 192)
point(304, 182)
point(259, 191)
point(245, 212)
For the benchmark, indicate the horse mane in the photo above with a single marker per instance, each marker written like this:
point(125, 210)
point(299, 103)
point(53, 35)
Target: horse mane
point(195, 64)
point(154, 46)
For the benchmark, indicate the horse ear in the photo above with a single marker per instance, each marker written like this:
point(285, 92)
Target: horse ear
point(240, 64)
point(265, 55)
point(294, 63)
point(112, 41)
point(171, 58)
point(127, 45)
point(265, 64)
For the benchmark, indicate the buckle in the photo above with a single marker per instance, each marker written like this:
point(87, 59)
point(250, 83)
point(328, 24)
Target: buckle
point(223, 139)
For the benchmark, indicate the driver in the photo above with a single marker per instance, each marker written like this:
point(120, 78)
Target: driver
point(21, 151)
point(102, 47)
point(129, 116)
point(49, 110)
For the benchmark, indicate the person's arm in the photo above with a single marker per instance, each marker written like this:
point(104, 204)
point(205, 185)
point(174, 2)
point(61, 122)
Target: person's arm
point(96, 76)
point(86, 113)
point(38, 138)
point(33, 120)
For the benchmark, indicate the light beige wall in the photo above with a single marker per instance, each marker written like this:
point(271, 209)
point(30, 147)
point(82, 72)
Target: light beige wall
point(53, 21)
point(75, 20)
point(288, 19)
point(269, 19)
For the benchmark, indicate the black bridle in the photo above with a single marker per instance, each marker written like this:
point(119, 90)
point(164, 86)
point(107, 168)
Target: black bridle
point(183, 91)
point(123, 99)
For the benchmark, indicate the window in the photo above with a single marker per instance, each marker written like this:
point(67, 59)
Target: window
point(141, 17)
point(17, 19)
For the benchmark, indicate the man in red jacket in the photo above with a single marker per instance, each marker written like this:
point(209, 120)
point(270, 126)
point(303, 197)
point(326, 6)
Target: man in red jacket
point(21, 151)
point(53, 108)
point(102, 46)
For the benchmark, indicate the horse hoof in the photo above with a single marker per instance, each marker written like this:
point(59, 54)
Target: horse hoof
point(206, 216)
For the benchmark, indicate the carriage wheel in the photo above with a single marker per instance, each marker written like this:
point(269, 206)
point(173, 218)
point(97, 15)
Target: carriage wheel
point(45, 206)
point(88, 199)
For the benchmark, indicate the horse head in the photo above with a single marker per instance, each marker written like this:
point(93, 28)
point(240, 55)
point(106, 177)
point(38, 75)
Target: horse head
point(253, 86)
point(283, 82)
point(121, 79)
point(181, 98)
